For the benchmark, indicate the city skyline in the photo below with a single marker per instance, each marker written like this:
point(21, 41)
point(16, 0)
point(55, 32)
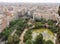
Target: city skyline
point(31, 1)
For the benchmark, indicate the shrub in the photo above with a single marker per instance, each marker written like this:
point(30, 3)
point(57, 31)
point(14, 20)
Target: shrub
point(49, 42)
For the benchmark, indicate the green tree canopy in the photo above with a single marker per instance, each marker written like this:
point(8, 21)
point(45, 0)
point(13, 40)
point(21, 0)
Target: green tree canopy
point(39, 39)
point(49, 42)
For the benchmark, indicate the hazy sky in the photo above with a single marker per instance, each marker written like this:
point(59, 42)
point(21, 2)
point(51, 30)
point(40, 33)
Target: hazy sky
point(32, 1)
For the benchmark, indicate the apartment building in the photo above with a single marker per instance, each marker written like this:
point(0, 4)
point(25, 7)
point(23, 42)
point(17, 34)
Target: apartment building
point(3, 22)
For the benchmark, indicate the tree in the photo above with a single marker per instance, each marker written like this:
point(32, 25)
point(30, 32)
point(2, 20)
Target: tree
point(13, 39)
point(38, 25)
point(58, 33)
point(28, 35)
point(39, 39)
point(49, 42)
point(40, 20)
point(29, 42)
point(10, 40)
point(12, 23)
point(50, 22)
point(59, 11)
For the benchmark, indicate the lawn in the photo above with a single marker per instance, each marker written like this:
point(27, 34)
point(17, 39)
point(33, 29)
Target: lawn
point(42, 30)
point(47, 34)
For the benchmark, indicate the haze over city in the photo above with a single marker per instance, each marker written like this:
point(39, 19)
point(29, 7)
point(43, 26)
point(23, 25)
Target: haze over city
point(29, 21)
point(31, 1)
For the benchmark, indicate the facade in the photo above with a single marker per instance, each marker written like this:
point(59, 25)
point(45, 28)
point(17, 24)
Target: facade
point(3, 22)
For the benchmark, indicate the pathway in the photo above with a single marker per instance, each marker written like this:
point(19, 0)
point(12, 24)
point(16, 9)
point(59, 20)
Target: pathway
point(22, 36)
point(23, 33)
